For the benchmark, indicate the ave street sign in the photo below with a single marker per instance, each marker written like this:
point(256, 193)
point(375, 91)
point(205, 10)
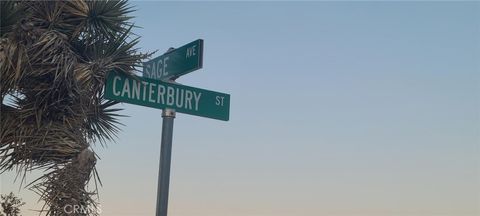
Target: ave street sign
point(158, 94)
point(175, 63)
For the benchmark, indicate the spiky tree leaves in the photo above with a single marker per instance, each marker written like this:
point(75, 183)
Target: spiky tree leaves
point(10, 205)
point(10, 13)
point(54, 57)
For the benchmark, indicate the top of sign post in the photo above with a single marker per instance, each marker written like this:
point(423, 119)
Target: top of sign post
point(176, 62)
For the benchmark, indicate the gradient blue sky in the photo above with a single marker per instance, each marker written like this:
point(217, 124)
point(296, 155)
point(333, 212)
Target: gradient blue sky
point(337, 109)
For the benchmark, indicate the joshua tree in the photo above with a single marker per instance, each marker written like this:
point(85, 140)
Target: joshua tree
point(54, 57)
point(11, 205)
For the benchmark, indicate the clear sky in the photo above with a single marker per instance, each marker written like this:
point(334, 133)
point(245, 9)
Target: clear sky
point(337, 109)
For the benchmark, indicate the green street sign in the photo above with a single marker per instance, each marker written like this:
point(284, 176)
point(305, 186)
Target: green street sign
point(175, 63)
point(158, 94)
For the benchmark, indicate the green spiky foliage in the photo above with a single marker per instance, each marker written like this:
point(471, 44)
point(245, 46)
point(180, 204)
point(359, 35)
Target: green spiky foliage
point(54, 57)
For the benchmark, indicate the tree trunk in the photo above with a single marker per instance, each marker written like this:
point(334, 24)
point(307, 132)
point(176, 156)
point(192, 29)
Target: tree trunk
point(66, 188)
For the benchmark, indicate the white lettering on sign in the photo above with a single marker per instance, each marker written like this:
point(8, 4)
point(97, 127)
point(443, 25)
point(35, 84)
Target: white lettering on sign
point(150, 92)
point(115, 92)
point(154, 73)
point(157, 69)
point(148, 70)
point(191, 51)
point(126, 89)
point(170, 95)
point(179, 98)
point(197, 99)
point(165, 72)
point(158, 93)
point(188, 100)
point(136, 90)
point(219, 100)
point(161, 94)
point(144, 89)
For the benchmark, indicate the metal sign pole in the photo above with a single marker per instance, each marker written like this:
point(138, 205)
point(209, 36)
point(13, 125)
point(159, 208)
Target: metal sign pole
point(168, 116)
